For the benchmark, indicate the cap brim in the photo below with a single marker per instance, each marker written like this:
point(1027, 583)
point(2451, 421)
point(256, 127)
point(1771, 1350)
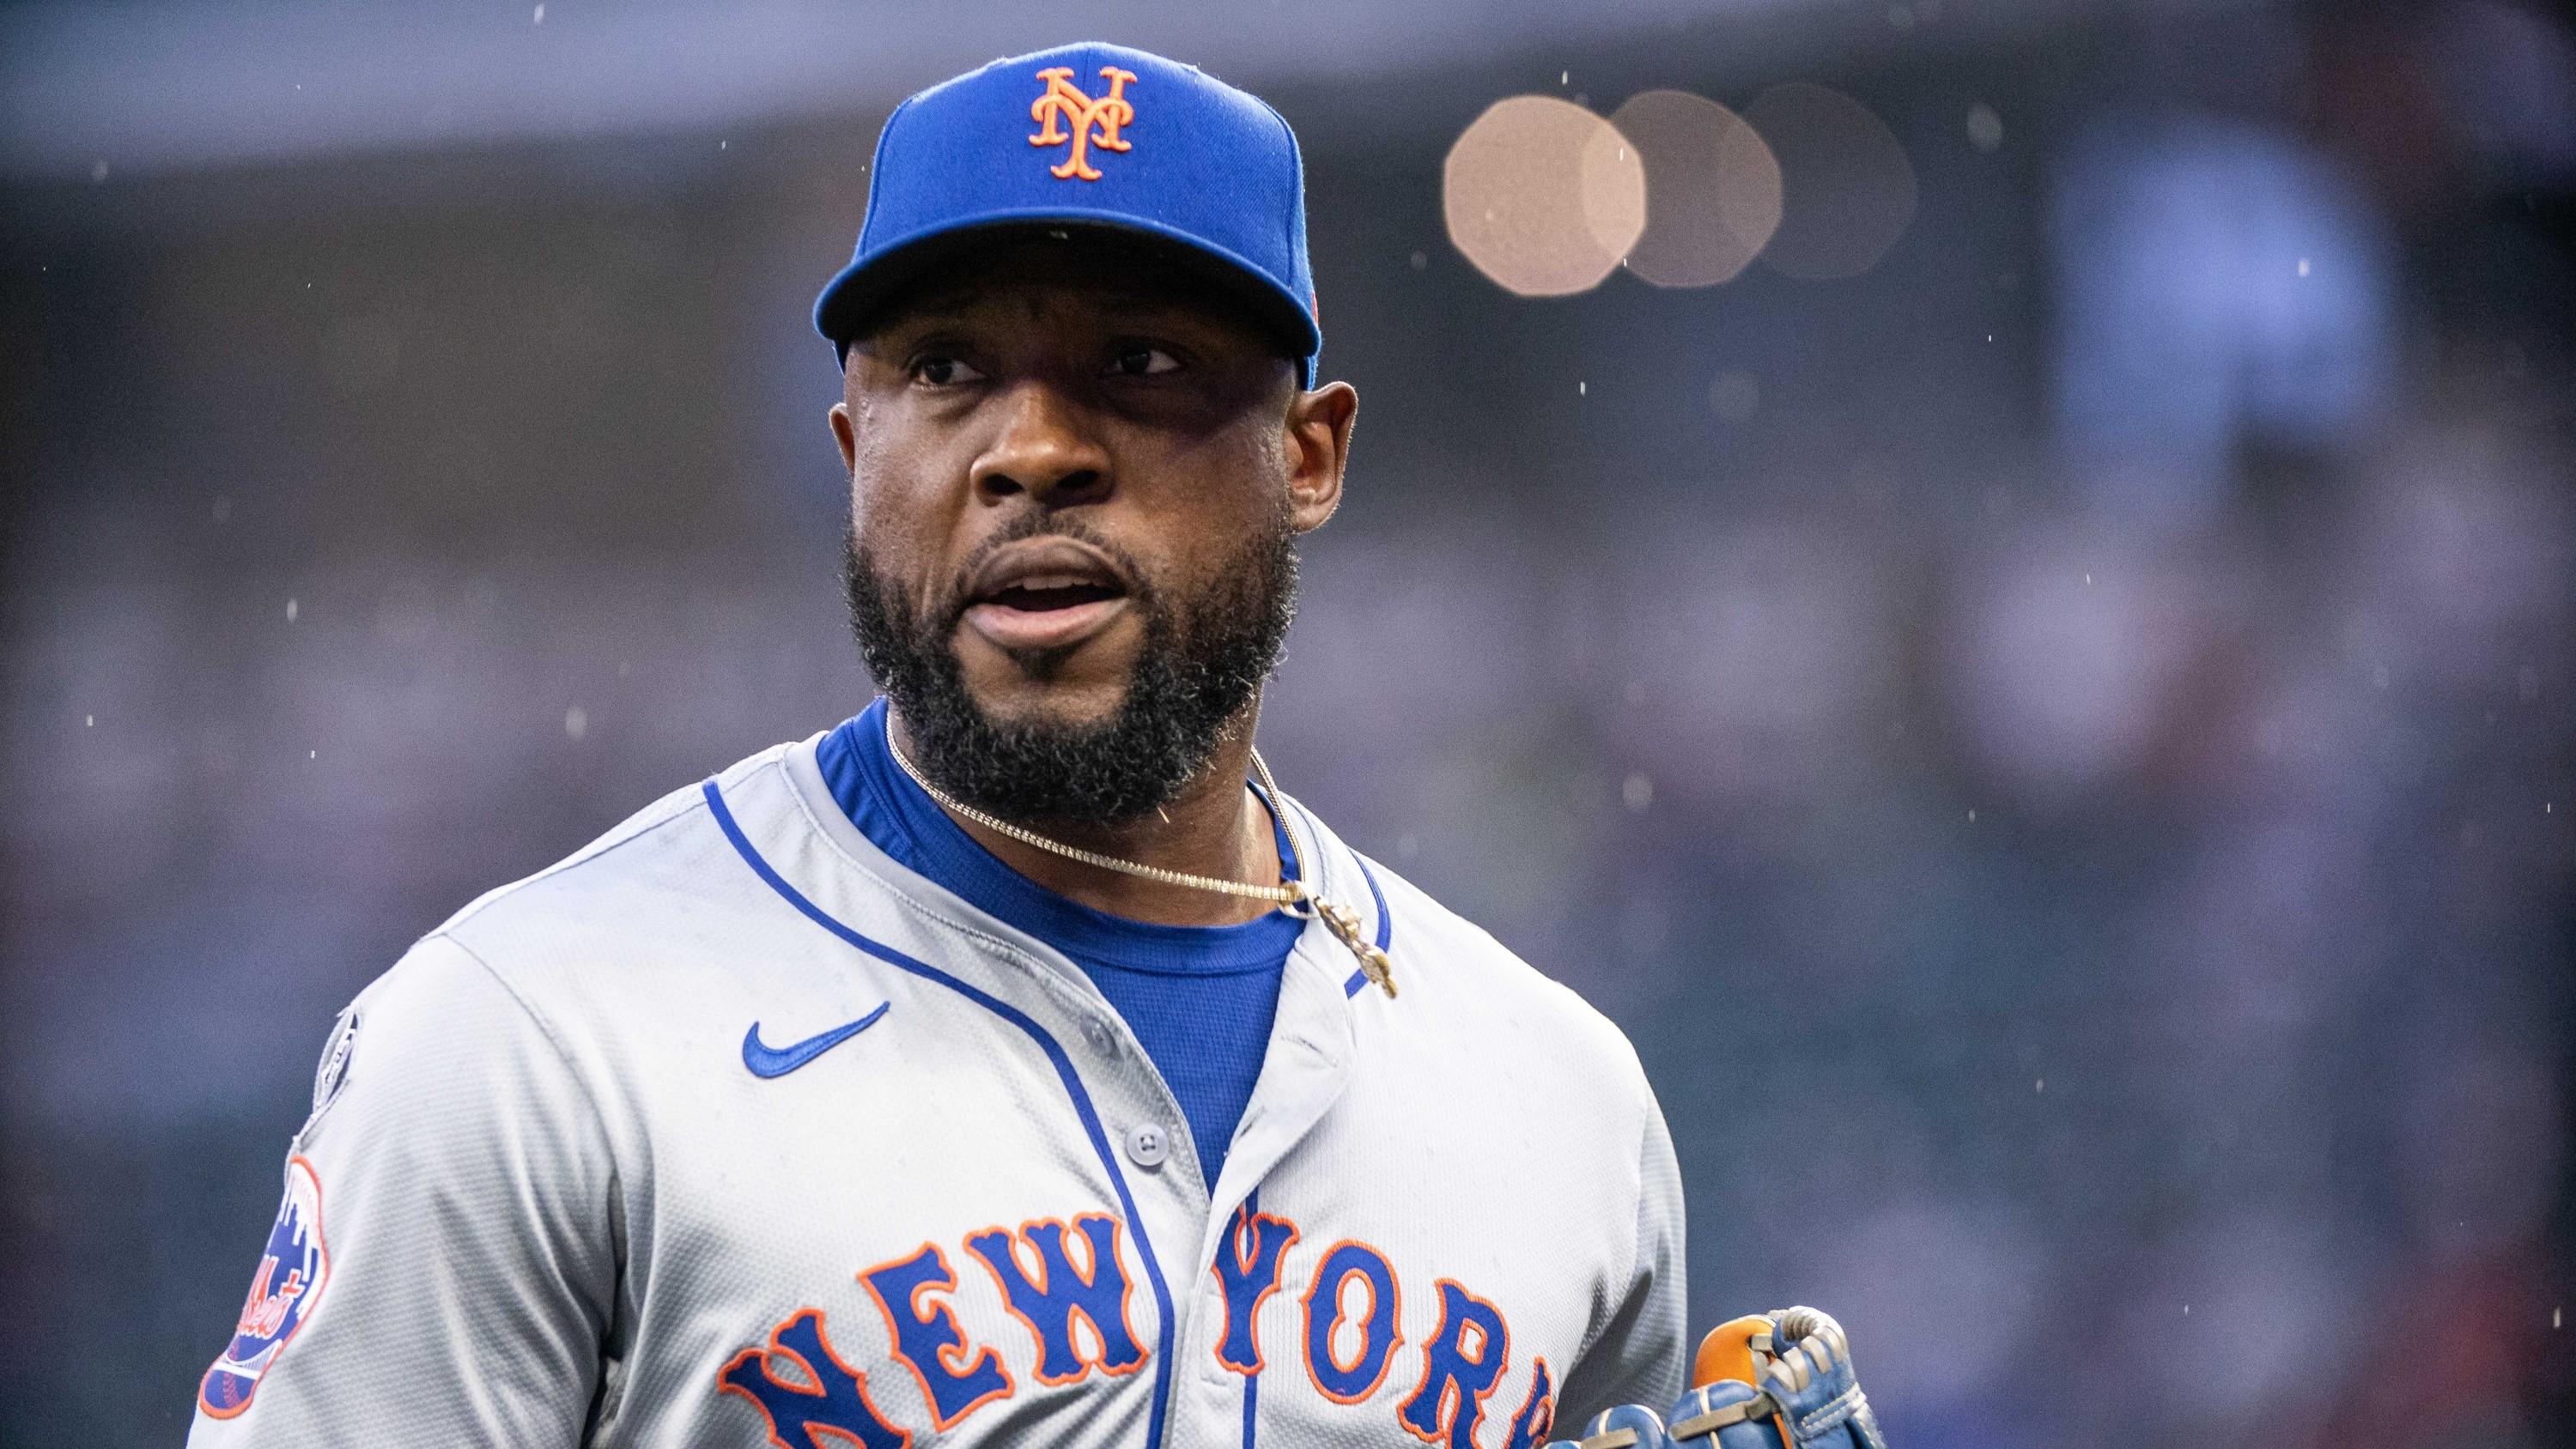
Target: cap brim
point(863, 292)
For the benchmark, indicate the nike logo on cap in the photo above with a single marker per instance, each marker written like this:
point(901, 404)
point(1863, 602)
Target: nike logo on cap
point(767, 1061)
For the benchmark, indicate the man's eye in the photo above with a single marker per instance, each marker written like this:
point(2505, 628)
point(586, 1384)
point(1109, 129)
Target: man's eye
point(1142, 362)
point(943, 372)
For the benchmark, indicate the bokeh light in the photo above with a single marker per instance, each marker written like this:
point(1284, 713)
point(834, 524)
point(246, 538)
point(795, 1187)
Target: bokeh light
point(1543, 196)
point(1985, 127)
point(1712, 188)
point(1734, 394)
point(1847, 190)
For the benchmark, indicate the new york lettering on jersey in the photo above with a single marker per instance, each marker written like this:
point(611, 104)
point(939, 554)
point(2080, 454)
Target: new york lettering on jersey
point(1348, 1332)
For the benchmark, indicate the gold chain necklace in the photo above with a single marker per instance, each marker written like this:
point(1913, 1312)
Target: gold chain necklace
point(1296, 894)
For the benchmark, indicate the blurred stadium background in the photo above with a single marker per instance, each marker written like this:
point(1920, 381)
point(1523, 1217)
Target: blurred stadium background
point(2042, 702)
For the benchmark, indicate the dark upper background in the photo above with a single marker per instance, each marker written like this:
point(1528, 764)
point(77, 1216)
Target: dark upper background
point(2056, 748)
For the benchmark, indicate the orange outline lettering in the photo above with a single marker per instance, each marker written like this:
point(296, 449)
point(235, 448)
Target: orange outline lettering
point(1535, 1420)
point(1066, 1236)
point(945, 1313)
point(1395, 1320)
point(1452, 1401)
point(1233, 1244)
point(806, 1366)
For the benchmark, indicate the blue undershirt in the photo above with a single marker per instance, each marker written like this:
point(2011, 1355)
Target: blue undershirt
point(1199, 999)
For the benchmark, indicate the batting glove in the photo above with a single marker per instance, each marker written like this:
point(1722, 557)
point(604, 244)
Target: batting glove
point(1808, 1389)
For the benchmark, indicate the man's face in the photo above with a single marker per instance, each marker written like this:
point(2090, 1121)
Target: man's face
point(1075, 481)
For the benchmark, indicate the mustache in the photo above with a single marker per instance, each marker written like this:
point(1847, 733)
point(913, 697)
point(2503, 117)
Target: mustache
point(949, 610)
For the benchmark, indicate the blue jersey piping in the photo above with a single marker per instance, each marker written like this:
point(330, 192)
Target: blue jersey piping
point(1251, 1381)
point(1055, 1054)
point(1385, 927)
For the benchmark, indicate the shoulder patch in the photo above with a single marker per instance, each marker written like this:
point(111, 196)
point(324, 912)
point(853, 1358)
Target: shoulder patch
point(283, 1293)
point(332, 1073)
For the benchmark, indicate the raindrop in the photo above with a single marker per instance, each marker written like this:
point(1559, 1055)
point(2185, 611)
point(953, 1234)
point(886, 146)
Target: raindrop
point(541, 16)
point(576, 722)
point(290, 611)
point(1638, 792)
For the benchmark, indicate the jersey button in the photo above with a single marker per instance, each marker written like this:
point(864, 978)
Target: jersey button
point(1096, 1032)
point(1148, 1145)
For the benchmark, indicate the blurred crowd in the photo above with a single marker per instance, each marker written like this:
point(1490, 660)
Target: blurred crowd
point(2056, 747)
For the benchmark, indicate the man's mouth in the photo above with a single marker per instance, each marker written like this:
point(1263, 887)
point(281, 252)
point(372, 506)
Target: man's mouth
point(1045, 593)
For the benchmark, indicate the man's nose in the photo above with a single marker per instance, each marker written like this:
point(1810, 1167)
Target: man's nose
point(1046, 449)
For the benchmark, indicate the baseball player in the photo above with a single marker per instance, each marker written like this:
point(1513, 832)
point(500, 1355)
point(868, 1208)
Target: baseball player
point(1014, 1063)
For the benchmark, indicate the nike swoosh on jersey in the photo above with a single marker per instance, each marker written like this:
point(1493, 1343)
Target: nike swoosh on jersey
point(766, 1061)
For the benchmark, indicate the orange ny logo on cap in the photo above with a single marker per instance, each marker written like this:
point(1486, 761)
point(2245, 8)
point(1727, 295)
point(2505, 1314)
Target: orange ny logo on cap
point(1093, 120)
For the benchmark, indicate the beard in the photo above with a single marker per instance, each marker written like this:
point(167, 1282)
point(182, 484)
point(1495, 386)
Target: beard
point(1204, 657)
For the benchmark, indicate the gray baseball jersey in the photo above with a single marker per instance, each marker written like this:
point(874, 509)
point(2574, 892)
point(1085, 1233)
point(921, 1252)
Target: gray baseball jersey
point(729, 1130)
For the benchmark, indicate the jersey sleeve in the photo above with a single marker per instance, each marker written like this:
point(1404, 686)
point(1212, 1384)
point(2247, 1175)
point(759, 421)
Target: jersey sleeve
point(1636, 1358)
point(443, 1269)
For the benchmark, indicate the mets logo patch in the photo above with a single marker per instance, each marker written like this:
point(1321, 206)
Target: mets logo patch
point(1095, 119)
point(292, 1271)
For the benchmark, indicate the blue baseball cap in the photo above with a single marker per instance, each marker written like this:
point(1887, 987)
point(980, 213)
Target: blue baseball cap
point(1088, 136)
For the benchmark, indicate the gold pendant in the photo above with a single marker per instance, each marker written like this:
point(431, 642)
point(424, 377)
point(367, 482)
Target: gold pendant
point(1346, 928)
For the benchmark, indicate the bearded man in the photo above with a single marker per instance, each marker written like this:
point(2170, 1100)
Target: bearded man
point(1014, 1063)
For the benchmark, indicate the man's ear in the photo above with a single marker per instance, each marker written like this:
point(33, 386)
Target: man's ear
point(1319, 450)
point(842, 434)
